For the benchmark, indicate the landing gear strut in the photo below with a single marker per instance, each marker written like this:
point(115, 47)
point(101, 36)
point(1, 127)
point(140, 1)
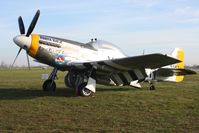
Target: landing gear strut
point(49, 84)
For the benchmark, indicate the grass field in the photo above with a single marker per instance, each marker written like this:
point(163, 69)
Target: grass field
point(24, 107)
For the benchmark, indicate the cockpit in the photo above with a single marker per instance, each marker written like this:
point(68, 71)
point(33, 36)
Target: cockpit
point(103, 45)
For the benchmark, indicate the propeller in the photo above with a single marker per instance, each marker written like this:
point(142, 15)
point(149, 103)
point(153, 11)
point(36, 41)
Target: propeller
point(28, 60)
point(16, 56)
point(33, 23)
point(22, 32)
point(21, 25)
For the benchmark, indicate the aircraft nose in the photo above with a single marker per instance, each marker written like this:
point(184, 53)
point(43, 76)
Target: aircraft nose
point(23, 41)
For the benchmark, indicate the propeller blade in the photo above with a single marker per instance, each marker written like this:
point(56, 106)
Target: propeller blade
point(33, 23)
point(21, 25)
point(28, 60)
point(16, 56)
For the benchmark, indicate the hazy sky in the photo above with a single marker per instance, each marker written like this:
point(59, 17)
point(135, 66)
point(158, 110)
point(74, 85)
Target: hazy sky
point(156, 26)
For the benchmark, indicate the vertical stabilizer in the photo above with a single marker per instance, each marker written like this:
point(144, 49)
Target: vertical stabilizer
point(171, 73)
point(178, 54)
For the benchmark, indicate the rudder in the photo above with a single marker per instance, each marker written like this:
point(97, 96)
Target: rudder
point(178, 54)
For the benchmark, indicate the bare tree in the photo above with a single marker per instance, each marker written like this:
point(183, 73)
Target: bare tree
point(3, 65)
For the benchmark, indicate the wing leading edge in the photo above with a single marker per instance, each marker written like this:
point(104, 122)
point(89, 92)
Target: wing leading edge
point(145, 61)
point(151, 61)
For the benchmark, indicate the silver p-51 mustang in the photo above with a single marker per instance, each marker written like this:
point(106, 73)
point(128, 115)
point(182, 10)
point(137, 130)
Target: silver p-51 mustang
point(96, 62)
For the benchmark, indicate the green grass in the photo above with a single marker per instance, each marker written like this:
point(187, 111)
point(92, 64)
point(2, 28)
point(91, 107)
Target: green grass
point(24, 107)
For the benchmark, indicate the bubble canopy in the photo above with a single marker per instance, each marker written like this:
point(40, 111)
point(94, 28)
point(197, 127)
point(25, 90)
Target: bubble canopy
point(100, 44)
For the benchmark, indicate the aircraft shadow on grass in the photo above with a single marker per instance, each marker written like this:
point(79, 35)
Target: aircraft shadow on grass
point(21, 93)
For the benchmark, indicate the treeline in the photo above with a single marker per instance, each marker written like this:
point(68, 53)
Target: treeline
point(192, 67)
point(5, 65)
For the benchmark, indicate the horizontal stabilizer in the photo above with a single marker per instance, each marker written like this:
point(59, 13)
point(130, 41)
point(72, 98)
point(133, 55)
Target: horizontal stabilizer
point(181, 72)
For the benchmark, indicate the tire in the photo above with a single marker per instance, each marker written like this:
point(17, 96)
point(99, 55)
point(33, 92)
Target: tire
point(49, 85)
point(69, 80)
point(83, 91)
point(152, 87)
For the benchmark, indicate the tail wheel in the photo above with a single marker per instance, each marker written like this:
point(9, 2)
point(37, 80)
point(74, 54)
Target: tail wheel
point(152, 87)
point(82, 90)
point(49, 85)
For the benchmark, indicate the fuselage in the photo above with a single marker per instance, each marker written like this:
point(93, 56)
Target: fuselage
point(61, 53)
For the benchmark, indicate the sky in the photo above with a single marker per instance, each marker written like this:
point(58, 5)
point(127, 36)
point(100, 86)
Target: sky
point(153, 26)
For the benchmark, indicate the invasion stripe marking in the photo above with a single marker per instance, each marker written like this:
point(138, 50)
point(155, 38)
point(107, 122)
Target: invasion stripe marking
point(138, 73)
point(123, 78)
point(118, 79)
point(133, 75)
point(128, 77)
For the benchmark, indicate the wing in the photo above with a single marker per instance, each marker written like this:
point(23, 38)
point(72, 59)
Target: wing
point(145, 61)
point(125, 70)
point(122, 64)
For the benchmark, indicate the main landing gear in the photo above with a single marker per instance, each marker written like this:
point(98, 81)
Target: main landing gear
point(84, 83)
point(82, 90)
point(78, 81)
point(49, 84)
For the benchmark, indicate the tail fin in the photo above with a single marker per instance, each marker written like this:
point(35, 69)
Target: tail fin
point(173, 73)
point(178, 54)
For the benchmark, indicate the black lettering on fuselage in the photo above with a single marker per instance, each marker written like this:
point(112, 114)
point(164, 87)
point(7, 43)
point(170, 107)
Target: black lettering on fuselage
point(50, 39)
point(49, 43)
